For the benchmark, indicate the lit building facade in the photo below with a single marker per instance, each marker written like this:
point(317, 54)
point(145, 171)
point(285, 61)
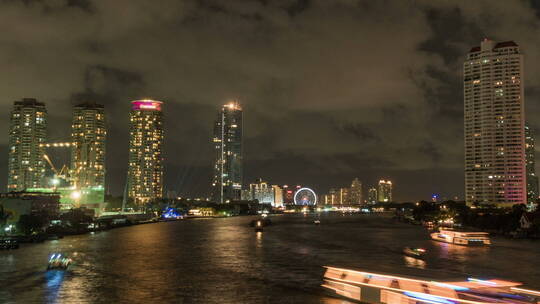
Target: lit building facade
point(227, 140)
point(145, 172)
point(27, 135)
point(262, 192)
point(532, 178)
point(278, 196)
point(372, 196)
point(343, 196)
point(88, 134)
point(494, 124)
point(384, 191)
point(356, 192)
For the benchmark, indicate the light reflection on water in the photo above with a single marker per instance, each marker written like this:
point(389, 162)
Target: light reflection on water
point(415, 263)
point(225, 261)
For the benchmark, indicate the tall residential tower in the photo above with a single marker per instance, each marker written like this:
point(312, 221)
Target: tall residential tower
point(145, 172)
point(384, 191)
point(27, 134)
point(88, 135)
point(227, 140)
point(494, 124)
point(355, 196)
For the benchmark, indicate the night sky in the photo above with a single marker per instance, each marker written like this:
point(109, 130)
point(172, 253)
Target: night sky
point(331, 90)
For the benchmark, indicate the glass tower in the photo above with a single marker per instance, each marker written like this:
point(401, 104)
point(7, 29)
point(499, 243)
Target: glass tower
point(227, 140)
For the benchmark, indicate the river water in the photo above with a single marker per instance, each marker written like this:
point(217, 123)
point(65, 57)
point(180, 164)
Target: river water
point(224, 261)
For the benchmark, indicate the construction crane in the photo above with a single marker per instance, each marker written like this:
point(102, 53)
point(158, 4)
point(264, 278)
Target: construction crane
point(64, 171)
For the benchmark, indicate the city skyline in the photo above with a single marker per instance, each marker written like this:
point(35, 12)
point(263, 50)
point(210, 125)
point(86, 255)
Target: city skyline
point(406, 127)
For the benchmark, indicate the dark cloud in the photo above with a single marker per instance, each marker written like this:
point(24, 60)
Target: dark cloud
point(331, 89)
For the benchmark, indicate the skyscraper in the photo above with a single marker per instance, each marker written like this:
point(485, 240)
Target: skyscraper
point(88, 135)
point(356, 192)
point(27, 135)
point(532, 178)
point(145, 172)
point(372, 196)
point(227, 182)
point(494, 124)
point(385, 191)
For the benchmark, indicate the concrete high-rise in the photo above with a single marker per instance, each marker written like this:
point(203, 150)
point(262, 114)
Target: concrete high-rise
point(355, 195)
point(384, 191)
point(372, 196)
point(145, 172)
point(532, 178)
point(27, 135)
point(227, 140)
point(88, 136)
point(494, 124)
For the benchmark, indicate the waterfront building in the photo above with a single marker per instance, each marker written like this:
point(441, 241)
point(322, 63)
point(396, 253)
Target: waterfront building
point(88, 135)
point(227, 140)
point(384, 193)
point(262, 192)
point(278, 196)
point(494, 124)
point(15, 204)
point(245, 195)
point(372, 196)
point(335, 196)
point(532, 178)
point(27, 134)
point(288, 194)
point(344, 196)
point(356, 192)
point(145, 172)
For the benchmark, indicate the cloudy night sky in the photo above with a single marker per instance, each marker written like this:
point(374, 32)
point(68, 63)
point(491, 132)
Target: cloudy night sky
point(331, 90)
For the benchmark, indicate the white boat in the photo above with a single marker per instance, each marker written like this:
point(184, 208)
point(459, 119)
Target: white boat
point(461, 238)
point(366, 287)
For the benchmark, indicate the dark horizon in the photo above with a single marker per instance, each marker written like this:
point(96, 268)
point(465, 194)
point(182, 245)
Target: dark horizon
point(330, 91)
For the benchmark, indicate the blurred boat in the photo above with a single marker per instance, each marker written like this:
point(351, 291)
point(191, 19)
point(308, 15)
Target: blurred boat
point(461, 238)
point(58, 261)
point(414, 252)
point(366, 287)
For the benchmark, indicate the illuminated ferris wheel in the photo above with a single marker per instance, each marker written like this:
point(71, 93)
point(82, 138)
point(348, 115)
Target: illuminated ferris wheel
point(305, 196)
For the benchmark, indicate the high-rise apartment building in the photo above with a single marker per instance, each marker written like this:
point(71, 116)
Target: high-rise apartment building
point(372, 196)
point(355, 195)
point(532, 178)
point(385, 191)
point(227, 182)
point(88, 135)
point(145, 172)
point(27, 135)
point(494, 124)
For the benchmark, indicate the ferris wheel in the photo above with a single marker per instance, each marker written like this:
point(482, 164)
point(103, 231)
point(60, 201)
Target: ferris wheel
point(305, 196)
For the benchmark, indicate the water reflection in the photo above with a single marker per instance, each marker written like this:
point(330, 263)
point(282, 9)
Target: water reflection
point(225, 261)
point(53, 282)
point(414, 263)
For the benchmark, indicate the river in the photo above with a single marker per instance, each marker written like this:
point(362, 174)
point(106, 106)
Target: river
point(223, 260)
